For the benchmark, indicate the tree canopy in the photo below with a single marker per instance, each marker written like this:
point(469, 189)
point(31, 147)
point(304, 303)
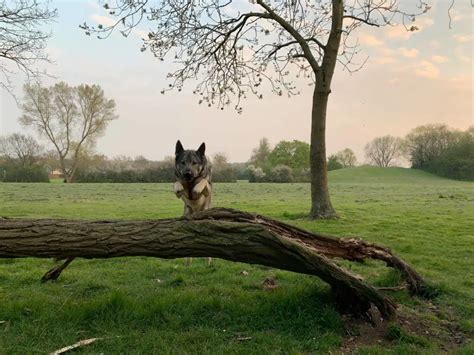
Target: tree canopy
point(70, 118)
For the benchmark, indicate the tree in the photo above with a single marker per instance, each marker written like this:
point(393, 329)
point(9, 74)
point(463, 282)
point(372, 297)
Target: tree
point(219, 161)
point(255, 239)
point(333, 163)
point(71, 118)
point(22, 37)
point(22, 148)
point(426, 143)
point(457, 161)
point(222, 171)
point(294, 154)
point(442, 151)
point(347, 158)
point(233, 53)
point(260, 154)
point(382, 151)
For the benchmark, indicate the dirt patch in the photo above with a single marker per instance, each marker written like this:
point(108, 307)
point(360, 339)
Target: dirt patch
point(269, 284)
point(422, 327)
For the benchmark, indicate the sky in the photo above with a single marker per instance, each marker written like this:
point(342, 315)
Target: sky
point(410, 79)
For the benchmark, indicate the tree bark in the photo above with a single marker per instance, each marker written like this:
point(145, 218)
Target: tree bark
point(321, 207)
point(224, 233)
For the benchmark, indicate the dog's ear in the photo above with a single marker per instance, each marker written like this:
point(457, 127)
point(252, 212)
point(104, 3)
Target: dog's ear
point(179, 148)
point(202, 149)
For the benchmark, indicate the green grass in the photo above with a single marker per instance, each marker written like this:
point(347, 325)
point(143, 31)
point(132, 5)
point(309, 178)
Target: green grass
point(144, 305)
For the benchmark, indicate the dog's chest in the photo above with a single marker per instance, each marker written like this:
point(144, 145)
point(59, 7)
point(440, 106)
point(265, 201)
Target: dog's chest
point(196, 204)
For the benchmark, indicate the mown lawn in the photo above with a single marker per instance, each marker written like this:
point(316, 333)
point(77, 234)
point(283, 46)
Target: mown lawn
point(144, 305)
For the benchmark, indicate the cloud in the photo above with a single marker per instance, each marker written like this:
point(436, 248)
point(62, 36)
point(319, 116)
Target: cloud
point(434, 44)
point(439, 59)
point(457, 15)
point(462, 38)
point(424, 22)
point(427, 69)
point(401, 32)
point(462, 81)
point(398, 32)
point(102, 20)
point(461, 55)
point(385, 60)
point(94, 5)
point(140, 33)
point(408, 53)
point(370, 40)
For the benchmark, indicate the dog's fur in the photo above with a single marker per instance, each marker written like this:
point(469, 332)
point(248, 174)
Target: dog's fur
point(193, 180)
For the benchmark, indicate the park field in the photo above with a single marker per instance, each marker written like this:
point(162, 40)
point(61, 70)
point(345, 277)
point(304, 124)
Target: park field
point(145, 305)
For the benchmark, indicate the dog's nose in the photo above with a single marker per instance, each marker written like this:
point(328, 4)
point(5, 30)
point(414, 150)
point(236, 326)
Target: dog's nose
point(188, 176)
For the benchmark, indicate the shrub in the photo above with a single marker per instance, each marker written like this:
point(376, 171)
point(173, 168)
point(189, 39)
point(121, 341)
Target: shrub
point(333, 163)
point(225, 174)
point(281, 173)
point(256, 174)
point(18, 173)
point(156, 175)
point(162, 173)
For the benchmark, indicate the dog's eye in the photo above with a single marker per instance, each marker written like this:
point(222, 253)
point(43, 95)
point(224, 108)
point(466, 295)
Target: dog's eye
point(183, 163)
point(194, 163)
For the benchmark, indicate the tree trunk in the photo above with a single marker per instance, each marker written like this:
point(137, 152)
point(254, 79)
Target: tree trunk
point(321, 206)
point(224, 233)
point(65, 172)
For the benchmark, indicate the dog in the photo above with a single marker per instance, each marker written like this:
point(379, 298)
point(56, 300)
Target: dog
point(193, 180)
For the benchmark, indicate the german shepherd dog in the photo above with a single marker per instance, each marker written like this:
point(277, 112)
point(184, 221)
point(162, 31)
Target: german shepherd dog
point(193, 180)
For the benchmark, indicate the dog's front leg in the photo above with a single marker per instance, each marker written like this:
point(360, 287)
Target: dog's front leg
point(202, 187)
point(178, 189)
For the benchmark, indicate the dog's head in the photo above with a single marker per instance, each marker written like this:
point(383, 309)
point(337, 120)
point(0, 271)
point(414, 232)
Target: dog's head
point(189, 164)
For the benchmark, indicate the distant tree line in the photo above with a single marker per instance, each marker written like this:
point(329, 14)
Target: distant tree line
point(22, 159)
point(442, 151)
point(141, 170)
point(289, 162)
point(433, 148)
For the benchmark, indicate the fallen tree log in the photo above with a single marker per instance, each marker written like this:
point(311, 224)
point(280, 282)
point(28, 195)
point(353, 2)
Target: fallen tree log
point(224, 233)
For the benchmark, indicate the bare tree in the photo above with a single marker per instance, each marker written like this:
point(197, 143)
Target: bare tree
point(382, 151)
point(71, 118)
point(219, 161)
point(260, 154)
point(234, 50)
point(23, 38)
point(22, 148)
point(347, 158)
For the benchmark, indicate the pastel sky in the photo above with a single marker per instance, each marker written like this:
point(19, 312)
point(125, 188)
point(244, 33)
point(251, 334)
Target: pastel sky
point(410, 79)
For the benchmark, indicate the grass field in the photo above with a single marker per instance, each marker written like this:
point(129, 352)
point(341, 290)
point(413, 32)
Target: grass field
point(144, 305)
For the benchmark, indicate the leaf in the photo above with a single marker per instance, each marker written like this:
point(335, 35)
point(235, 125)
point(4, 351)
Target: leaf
point(75, 346)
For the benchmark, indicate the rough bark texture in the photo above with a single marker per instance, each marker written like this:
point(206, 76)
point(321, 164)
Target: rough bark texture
point(223, 233)
point(321, 206)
